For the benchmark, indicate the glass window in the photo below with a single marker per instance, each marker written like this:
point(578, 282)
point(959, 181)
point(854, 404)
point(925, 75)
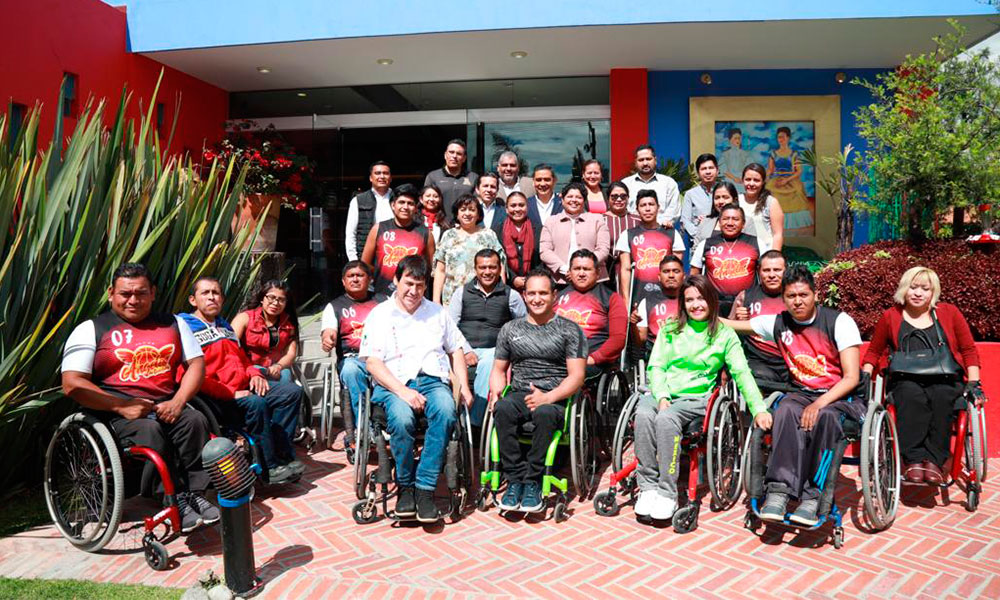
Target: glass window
point(69, 91)
point(565, 145)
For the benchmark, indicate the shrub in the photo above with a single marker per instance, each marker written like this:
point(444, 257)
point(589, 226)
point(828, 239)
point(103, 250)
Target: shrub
point(862, 281)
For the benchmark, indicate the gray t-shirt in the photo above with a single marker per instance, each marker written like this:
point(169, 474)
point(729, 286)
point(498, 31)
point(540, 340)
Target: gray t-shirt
point(538, 353)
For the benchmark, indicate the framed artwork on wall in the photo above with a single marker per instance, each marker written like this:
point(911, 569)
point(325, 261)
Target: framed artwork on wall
point(779, 132)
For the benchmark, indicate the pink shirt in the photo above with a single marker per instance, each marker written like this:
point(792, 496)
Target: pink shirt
point(557, 236)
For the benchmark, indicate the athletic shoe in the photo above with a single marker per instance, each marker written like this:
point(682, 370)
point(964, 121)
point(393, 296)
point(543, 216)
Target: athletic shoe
point(531, 499)
point(406, 507)
point(662, 507)
point(511, 499)
point(805, 514)
point(427, 512)
point(645, 502)
point(774, 507)
point(280, 475)
point(209, 513)
point(190, 518)
point(296, 467)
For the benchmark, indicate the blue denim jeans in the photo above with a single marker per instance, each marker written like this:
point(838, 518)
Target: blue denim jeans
point(272, 420)
point(402, 426)
point(481, 386)
point(354, 375)
point(285, 377)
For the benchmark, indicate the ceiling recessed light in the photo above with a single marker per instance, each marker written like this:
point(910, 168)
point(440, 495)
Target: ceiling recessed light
point(518, 54)
point(385, 62)
point(263, 70)
point(301, 94)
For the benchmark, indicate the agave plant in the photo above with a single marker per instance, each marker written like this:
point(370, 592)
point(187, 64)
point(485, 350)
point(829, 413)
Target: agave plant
point(69, 215)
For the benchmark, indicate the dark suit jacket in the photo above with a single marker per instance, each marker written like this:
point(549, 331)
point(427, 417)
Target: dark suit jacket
point(535, 217)
point(499, 216)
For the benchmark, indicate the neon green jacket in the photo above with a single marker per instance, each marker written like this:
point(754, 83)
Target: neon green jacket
point(687, 363)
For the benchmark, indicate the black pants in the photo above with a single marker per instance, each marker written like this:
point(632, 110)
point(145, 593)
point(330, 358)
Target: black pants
point(800, 460)
point(510, 412)
point(923, 419)
point(766, 372)
point(179, 444)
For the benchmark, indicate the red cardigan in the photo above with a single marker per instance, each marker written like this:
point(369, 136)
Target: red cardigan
point(956, 331)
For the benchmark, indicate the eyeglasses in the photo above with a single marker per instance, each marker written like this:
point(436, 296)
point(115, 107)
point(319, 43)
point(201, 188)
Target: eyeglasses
point(275, 299)
point(618, 196)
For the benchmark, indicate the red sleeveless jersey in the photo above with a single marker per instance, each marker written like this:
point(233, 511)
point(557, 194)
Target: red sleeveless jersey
point(137, 359)
point(351, 315)
point(810, 351)
point(660, 310)
point(731, 265)
point(589, 310)
point(392, 245)
point(759, 303)
point(648, 247)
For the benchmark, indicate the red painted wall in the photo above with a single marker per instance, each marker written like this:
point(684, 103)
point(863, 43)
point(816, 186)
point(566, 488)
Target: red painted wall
point(42, 39)
point(629, 117)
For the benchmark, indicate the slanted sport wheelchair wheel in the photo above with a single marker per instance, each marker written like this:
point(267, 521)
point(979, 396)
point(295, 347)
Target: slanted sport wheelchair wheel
point(583, 444)
point(975, 442)
point(460, 464)
point(724, 449)
point(622, 450)
point(612, 394)
point(327, 405)
point(880, 466)
point(84, 482)
point(364, 445)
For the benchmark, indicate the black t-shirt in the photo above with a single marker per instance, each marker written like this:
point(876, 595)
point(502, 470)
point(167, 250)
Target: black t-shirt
point(538, 353)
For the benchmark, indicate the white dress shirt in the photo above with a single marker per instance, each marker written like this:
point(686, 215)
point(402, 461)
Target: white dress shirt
point(545, 208)
point(667, 194)
point(383, 212)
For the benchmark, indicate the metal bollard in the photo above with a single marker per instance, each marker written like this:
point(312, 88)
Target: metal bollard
point(233, 480)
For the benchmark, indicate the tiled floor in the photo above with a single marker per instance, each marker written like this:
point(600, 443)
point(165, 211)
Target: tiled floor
point(308, 546)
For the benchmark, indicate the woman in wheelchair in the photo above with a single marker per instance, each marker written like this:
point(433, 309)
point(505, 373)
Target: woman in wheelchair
point(932, 362)
point(268, 330)
point(683, 370)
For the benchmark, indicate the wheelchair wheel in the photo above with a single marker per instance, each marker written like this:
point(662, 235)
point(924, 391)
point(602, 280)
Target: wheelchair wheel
point(638, 374)
point(583, 445)
point(464, 462)
point(305, 434)
point(327, 405)
point(975, 442)
point(364, 445)
point(724, 445)
point(201, 405)
point(84, 482)
point(622, 450)
point(612, 394)
point(880, 466)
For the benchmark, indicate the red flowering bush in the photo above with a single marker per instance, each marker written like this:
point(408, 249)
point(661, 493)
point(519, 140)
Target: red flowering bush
point(862, 281)
point(273, 166)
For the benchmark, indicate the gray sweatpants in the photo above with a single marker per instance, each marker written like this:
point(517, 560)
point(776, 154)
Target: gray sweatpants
point(658, 435)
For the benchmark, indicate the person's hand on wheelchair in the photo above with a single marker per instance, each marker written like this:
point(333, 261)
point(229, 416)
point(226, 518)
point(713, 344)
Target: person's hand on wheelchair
point(763, 420)
point(169, 411)
point(471, 359)
point(466, 394)
point(974, 392)
point(134, 408)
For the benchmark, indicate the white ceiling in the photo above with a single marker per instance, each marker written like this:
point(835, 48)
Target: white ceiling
point(569, 51)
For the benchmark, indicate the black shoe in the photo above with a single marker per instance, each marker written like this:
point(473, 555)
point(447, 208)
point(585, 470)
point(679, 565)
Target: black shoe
point(531, 500)
point(190, 517)
point(511, 499)
point(209, 513)
point(427, 512)
point(406, 507)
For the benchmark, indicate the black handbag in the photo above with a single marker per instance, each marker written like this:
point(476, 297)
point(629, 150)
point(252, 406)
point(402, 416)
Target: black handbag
point(931, 362)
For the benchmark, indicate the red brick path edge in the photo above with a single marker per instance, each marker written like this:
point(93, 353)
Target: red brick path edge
point(308, 546)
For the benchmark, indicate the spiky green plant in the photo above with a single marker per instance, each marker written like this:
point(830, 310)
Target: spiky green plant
point(69, 215)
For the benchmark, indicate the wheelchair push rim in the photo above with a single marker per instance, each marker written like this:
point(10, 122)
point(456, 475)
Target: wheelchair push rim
point(880, 467)
point(724, 444)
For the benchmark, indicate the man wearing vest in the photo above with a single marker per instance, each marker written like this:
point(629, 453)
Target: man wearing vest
point(480, 308)
point(821, 347)
point(395, 238)
point(729, 257)
point(763, 298)
point(269, 409)
point(125, 363)
point(659, 307)
point(342, 326)
point(453, 179)
point(368, 208)
point(599, 312)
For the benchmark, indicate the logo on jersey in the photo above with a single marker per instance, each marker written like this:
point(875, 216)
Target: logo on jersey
point(661, 323)
point(580, 317)
point(144, 362)
point(357, 330)
point(394, 254)
point(648, 258)
point(787, 337)
point(731, 268)
point(805, 367)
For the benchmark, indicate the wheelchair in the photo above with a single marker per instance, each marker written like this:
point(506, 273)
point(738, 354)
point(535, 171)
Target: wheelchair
point(579, 433)
point(86, 483)
point(718, 439)
point(376, 486)
point(875, 449)
point(611, 389)
point(325, 405)
point(968, 468)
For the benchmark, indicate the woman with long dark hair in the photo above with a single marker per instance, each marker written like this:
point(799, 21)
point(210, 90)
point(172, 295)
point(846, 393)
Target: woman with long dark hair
point(432, 211)
point(268, 330)
point(765, 219)
point(683, 371)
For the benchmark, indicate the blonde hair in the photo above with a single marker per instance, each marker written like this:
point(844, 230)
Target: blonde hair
point(907, 280)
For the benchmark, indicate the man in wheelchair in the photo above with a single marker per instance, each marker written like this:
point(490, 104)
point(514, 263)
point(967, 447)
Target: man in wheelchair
point(407, 341)
point(547, 357)
point(821, 347)
point(763, 298)
point(480, 308)
point(658, 307)
point(343, 324)
point(268, 409)
point(124, 363)
point(599, 312)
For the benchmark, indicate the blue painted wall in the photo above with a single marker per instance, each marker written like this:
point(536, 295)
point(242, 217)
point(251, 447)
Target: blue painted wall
point(669, 92)
point(176, 24)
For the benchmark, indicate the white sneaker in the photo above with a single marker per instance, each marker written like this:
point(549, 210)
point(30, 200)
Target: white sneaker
point(662, 508)
point(645, 502)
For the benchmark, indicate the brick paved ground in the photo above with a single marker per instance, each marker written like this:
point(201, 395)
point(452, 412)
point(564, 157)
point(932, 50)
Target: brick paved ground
point(309, 547)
